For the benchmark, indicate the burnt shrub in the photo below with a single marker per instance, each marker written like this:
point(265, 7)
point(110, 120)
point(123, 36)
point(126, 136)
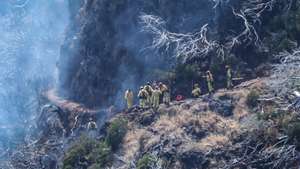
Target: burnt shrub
point(252, 99)
point(293, 131)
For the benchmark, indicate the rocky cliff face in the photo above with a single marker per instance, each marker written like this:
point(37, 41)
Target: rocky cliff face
point(104, 53)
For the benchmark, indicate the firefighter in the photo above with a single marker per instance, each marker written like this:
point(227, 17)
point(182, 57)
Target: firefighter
point(92, 128)
point(229, 77)
point(149, 89)
point(210, 81)
point(129, 98)
point(156, 95)
point(142, 95)
point(196, 91)
point(166, 96)
point(92, 125)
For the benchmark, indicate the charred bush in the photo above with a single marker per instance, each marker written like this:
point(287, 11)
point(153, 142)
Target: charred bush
point(252, 99)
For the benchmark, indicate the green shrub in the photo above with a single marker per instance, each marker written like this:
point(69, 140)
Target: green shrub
point(88, 152)
point(146, 162)
point(116, 133)
point(252, 99)
point(101, 156)
point(78, 152)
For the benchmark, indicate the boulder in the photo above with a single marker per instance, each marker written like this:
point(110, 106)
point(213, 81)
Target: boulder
point(147, 117)
point(222, 107)
point(193, 159)
point(51, 122)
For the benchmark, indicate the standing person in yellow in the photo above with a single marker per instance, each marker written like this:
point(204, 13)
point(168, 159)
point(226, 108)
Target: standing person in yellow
point(143, 97)
point(165, 93)
point(229, 77)
point(149, 90)
point(196, 91)
point(129, 98)
point(210, 81)
point(156, 95)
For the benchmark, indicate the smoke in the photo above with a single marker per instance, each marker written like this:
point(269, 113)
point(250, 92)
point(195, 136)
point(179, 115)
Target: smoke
point(31, 32)
point(146, 64)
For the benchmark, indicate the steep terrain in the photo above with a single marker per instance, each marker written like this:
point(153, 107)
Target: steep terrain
point(195, 133)
point(230, 129)
point(222, 131)
point(107, 50)
point(62, 121)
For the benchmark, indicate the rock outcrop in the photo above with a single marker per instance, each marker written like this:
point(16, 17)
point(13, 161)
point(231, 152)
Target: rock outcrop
point(103, 52)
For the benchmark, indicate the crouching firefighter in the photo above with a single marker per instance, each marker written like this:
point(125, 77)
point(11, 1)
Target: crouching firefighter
point(196, 91)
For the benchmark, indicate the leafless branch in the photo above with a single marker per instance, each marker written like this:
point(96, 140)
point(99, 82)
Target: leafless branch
point(199, 45)
point(186, 46)
point(248, 34)
point(285, 77)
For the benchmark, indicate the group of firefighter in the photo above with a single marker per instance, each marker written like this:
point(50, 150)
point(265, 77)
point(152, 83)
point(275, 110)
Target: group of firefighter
point(152, 95)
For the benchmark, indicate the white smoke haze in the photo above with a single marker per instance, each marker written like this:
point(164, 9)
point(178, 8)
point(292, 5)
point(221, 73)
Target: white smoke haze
point(31, 32)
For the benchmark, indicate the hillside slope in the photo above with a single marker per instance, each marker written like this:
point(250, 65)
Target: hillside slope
point(216, 132)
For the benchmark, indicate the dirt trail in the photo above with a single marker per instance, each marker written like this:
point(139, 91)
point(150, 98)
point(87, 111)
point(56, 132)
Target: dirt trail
point(71, 106)
point(65, 104)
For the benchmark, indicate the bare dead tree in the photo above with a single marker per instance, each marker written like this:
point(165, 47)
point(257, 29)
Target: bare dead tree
point(285, 77)
point(256, 154)
point(255, 8)
point(198, 44)
point(249, 34)
point(186, 46)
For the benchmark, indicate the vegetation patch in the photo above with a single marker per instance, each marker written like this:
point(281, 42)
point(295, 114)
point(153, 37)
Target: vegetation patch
point(146, 162)
point(101, 156)
point(252, 99)
point(92, 154)
point(116, 133)
point(77, 154)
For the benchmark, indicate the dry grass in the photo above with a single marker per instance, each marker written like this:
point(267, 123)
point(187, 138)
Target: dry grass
point(175, 119)
point(131, 145)
point(213, 142)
